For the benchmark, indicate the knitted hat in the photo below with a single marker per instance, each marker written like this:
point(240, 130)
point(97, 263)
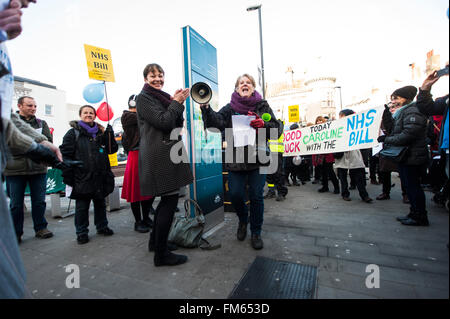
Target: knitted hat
point(346, 112)
point(408, 92)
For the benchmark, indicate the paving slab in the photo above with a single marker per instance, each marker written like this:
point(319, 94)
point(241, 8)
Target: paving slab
point(340, 238)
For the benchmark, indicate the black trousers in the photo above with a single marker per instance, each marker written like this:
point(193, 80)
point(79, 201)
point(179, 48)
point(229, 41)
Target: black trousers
point(410, 175)
point(163, 221)
point(293, 173)
point(374, 170)
point(359, 177)
point(277, 180)
point(328, 173)
point(82, 215)
point(304, 170)
point(318, 172)
point(136, 209)
point(385, 179)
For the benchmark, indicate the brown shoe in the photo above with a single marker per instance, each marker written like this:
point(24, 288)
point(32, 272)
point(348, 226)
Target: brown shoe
point(346, 199)
point(44, 233)
point(383, 196)
point(368, 200)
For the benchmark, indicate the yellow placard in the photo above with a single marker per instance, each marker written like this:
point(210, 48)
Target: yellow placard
point(294, 115)
point(99, 63)
point(113, 160)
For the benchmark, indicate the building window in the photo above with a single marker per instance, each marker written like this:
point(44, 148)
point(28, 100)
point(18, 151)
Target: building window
point(48, 109)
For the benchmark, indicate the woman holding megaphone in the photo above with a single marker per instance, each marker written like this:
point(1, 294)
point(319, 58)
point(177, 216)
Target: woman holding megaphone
point(244, 101)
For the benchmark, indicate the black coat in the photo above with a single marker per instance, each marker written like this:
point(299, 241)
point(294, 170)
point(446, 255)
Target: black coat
point(158, 174)
point(410, 129)
point(222, 120)
point(94, 179)
point(130, 136)
point(427, 106)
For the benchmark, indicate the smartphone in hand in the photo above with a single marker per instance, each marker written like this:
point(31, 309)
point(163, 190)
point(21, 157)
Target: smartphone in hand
point(442, 72)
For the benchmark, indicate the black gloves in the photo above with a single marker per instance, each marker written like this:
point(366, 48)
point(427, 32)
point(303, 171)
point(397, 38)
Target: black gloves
point(69, 164)
point(42, 154)
point(109, 129)
point(381, 138)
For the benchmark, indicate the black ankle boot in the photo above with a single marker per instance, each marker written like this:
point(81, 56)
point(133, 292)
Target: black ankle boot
point(141, 227)
point(148, 222)
point(169, 259)
point(242, 231)
point(257, 242)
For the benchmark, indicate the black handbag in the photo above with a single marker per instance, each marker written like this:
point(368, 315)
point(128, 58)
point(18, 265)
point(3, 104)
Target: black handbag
point(395, 153)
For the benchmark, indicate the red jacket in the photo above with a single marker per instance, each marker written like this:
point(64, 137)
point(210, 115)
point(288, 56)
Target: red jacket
point(318, 159)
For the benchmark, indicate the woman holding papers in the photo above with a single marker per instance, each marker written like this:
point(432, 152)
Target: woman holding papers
point(244, 169)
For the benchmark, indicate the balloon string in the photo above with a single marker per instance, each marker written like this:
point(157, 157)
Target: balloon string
point(107, 110)
point(106, 97)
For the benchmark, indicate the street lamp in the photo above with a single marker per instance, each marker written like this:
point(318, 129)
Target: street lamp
point(258, 7)
point(340, 94)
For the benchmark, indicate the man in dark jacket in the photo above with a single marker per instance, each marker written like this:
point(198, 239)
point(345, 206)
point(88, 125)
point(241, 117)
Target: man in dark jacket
point(409, 130)
point(427, 106)
point(22, 170)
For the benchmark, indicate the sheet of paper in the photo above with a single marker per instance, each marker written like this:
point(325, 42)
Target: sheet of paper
point(243, 133)
point(68, 190)
point(377, 148)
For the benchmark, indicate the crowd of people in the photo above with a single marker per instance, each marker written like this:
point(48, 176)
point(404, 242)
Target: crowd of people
point(419, 127)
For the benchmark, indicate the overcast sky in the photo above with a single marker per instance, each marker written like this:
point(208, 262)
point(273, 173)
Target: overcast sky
point(360, 41)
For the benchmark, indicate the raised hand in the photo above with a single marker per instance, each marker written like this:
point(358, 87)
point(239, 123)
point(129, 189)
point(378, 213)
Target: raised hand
point(10, 22)
point(181, 95)
point(429, 81)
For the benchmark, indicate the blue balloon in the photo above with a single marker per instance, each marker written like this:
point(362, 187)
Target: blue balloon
point(94, 93)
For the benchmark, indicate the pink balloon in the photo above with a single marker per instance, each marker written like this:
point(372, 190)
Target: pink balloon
point(102, 112)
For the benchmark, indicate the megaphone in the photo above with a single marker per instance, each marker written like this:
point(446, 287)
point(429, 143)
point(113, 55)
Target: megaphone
point(201, 93)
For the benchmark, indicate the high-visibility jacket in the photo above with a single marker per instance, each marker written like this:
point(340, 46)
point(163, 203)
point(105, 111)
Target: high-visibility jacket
point(277, 146)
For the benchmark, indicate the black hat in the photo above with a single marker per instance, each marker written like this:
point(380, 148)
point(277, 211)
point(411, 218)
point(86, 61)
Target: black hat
point(408, 92)
point(132, 101)
point(293, 126)
point(347, 112)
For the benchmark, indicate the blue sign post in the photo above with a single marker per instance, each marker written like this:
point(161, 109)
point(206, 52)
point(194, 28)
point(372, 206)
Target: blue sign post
point(205, 149)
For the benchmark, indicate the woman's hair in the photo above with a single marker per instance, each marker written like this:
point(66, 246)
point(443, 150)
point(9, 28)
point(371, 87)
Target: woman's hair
point(320, 118)
point(247, 76)
point(152, 67)
point(346, 112)
point(81, 109)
